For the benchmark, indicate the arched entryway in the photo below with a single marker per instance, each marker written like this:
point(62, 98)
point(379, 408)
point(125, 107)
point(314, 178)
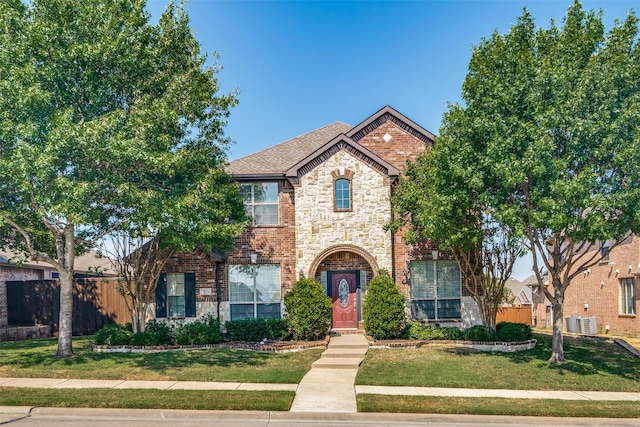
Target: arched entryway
point(344, 271)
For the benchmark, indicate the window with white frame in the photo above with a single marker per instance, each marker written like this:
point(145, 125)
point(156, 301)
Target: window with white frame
point(435, 290)
point(627, 296)
point(261, 202)
point(254, 291)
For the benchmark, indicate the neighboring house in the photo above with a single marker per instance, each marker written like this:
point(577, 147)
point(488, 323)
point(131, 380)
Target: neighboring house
point(319, 203)
point(607, 292)
point(519, 294)
point(15, 268)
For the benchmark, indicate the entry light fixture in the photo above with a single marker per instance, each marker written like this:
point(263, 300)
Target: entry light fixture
point(254, 258)
point(434, 254)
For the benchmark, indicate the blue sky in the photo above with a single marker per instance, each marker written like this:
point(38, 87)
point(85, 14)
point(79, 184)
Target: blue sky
point(300, 65)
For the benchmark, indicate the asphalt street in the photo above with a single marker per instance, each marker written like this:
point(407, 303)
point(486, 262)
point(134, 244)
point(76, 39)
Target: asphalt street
point(72, 417)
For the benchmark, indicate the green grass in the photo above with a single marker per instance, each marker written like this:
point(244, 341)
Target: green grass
point(35, 358)
point(495, 406)
point(592, 364)
point(148, 399)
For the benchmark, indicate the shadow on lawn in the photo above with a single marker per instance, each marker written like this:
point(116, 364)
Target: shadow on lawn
point(584, 356)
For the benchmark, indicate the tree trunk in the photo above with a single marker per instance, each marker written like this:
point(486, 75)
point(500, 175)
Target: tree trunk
point(65, 327)
point(557, 349)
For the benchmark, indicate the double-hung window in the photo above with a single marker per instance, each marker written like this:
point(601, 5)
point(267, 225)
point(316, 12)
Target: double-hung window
point(176, 295)
point(627, 296)
point(435, 290)
point(261, 202)
point(254, 291)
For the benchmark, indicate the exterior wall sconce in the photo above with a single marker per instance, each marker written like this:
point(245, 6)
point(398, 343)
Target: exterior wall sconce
point(254, 258)
point(434, 254)
point(602, 283)
point(617, 271)
point(630, 268)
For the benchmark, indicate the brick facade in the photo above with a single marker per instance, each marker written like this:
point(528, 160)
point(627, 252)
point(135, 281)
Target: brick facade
point(596, 293)
point(313, 237)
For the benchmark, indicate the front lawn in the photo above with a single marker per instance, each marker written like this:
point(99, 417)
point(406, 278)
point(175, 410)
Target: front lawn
point(592, 364)
point(35, 358)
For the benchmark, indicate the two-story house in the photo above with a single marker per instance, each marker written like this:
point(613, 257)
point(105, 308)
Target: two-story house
point(319, 203)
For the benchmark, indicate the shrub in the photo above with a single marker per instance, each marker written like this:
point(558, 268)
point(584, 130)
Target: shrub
point(113, 335)
point(512, 332)
point(199, 332)
point(157, 333)
point(308, 310)
point(383, 308)
point(480, 333)
point(417, 331)
point(254, 330)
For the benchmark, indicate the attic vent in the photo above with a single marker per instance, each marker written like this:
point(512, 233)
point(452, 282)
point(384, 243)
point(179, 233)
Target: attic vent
point(386, 137)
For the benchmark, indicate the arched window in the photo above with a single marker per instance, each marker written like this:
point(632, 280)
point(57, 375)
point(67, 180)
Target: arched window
point(342, 195)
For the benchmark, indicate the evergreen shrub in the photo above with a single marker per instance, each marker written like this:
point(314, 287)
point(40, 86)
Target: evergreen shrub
point(308, 310)
point(513, 332)
point(383, 309)
point(255, 330)
point(480, 333)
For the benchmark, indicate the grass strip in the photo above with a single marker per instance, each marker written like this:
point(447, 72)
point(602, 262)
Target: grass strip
point(35, 358)
point(497, 406)
point(148, 399)
point(592, 364)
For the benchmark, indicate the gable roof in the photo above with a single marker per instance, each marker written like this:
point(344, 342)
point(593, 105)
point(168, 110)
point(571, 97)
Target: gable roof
point(89, 263)
point(273, 161)
point(288, 158)
point(338, 143)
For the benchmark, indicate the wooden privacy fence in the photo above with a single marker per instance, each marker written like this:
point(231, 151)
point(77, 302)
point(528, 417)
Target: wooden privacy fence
point(96, 303)
point(514, 314)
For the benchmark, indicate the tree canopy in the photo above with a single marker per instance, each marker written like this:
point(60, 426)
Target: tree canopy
point(547, 140)
point(108, 121)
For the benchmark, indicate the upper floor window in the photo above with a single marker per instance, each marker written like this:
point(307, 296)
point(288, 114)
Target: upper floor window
point(435, 290)
point(342, 194)
point(627, 296)
point(261, 202)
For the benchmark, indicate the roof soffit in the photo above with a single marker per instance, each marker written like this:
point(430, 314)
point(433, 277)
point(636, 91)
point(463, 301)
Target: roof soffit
point(341, 142)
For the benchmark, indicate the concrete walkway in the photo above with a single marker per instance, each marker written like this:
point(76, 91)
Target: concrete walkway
point(330, 384)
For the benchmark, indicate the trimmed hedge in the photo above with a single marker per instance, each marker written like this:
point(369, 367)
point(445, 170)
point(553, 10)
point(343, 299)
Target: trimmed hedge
point(417, 331)
point(255, 330)
point(199, 332)
point(480, 333)
point(513, 332)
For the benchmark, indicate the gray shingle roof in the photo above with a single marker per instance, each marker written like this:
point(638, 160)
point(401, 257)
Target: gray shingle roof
point(278, 158)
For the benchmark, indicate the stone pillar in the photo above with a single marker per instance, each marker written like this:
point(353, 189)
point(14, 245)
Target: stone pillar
point(4, 315)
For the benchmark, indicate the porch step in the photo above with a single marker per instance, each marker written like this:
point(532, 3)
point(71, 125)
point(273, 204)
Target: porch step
point(337, 363)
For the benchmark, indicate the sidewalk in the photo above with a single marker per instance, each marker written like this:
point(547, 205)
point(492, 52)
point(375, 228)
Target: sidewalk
point(358, 389)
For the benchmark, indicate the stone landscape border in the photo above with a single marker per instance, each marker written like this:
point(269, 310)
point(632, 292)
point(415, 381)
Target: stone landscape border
point(498, 346)
point(271, 347)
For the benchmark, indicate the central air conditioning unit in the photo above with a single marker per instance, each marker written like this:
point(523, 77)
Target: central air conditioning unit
point(573, 325)
point(588, 325)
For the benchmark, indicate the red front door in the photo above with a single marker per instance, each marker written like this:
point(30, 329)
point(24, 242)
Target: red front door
point(343, 295)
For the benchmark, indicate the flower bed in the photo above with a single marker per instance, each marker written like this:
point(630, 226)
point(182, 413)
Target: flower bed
point(507, 347)
point(268, 346)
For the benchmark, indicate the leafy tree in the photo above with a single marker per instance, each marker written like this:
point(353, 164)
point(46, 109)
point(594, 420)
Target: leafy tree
point(383, 309)
point(105, 120)
point(441, 198)
point(550, 127)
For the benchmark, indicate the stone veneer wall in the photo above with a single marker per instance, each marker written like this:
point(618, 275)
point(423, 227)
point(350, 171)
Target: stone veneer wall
point(319, 227)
